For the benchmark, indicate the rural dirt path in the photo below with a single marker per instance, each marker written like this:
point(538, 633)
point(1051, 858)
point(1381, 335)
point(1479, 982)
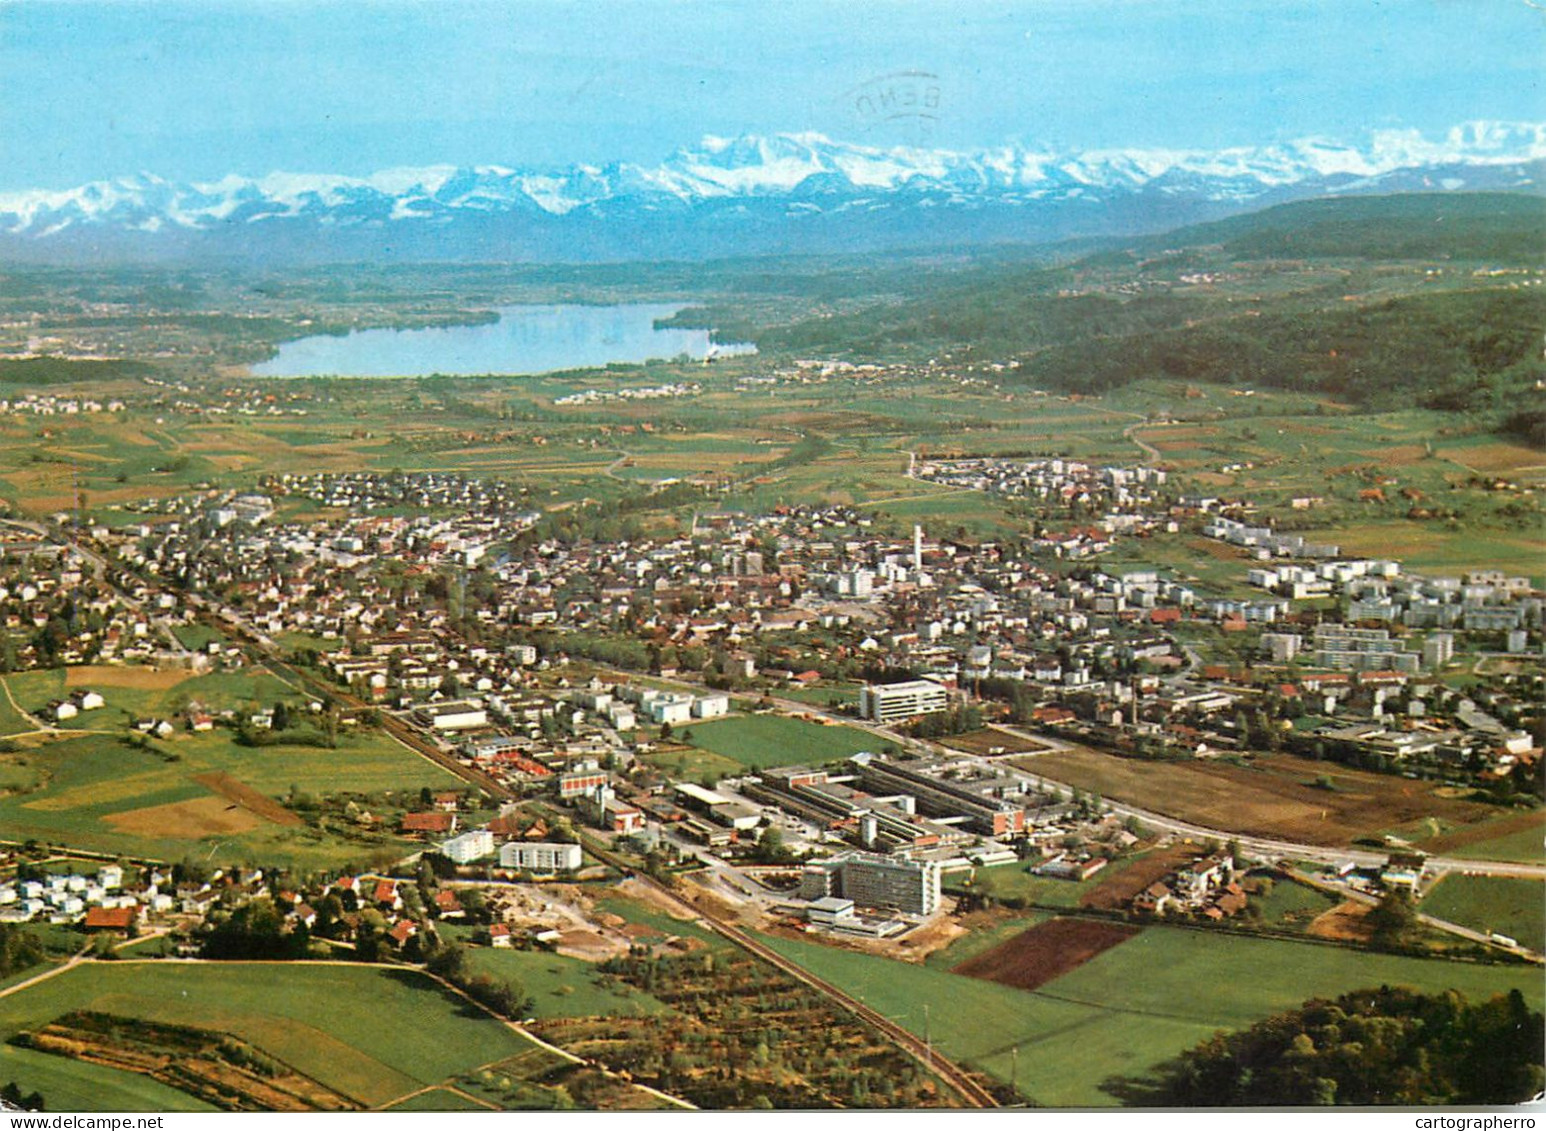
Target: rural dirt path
point(53, 972)
point(41, 727)
point(1130, 434)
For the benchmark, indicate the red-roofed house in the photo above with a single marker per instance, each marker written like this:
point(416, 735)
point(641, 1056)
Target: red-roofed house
point(1381, 679)
point(434, 823)
point(386, 892)
point(1319, 681)
point(111, 918)
point(505, 826)
point(1053, 716)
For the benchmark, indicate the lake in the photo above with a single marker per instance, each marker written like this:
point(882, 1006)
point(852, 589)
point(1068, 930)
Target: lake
point(527, 339)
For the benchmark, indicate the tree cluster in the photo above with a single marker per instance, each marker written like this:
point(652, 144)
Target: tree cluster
point(256, 930)
point(1385, 1046)
point(11, 1094)
point(19, 949)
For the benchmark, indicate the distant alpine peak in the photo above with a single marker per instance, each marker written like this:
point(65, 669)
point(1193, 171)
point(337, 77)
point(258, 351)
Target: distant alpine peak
point(799, 172)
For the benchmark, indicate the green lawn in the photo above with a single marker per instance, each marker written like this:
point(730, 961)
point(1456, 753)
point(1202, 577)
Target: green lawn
point(74, 1085)
point(1513, 907)
point(372, 1034)
point(1017, 881)
point(692, 764)
point(564, 987)
point(637, 911)
point(134, 692)
point(18, 773)
point(1131, 1007)
point(296, 641)
point(760, 741)
point(34, 690)
point(196, 635)
point(984, 939)
point(1524, 845)
point(12, 721)
point(1291, 905)
point(821, 695)
point(438, 1099)
point(92, 779)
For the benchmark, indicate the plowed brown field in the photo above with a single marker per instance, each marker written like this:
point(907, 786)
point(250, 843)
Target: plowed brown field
point(1046, 951)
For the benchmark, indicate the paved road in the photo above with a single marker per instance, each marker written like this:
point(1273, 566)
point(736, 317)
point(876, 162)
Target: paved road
point(1343, 891)
point(1263, 846)
point(1271, 847)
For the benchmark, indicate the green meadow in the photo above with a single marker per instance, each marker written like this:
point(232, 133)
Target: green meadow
point(1131, 1007)
point(373, 1034)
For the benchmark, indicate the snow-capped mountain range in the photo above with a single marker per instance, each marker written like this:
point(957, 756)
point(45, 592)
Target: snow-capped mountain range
point(784, 192)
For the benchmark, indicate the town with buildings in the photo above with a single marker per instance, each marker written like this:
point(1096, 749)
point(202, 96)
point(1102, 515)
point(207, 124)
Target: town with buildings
point(543, 570)
point(552, 670)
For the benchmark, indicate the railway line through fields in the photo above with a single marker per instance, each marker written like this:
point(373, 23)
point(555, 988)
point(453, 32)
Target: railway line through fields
point(957, 1078)
point(971, 1092)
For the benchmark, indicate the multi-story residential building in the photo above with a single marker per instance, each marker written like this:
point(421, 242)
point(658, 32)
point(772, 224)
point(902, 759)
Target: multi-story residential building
point(878, 882)
point(541, 857)
point(469, 846)
point(886, 703)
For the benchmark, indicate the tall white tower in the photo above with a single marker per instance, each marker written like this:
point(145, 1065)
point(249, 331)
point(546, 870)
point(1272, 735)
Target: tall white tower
point(917, 548)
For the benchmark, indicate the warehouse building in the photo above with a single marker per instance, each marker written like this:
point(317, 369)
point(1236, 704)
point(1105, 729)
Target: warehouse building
point(991, 804)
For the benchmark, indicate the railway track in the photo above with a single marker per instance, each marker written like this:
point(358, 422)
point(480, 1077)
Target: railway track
point(947, 1070)
point(954, 1077)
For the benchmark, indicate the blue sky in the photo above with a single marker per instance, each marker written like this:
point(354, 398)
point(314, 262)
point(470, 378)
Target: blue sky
point(193, 91)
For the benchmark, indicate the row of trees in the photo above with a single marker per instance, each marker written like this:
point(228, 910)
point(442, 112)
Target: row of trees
point(507, 997)
point(943, 724)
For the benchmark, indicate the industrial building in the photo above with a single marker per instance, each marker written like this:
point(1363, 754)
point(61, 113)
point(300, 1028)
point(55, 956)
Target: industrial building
point(889, 824)
point(991, 804)
point(581, 783)
point(452, 716)
point(717, 807)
